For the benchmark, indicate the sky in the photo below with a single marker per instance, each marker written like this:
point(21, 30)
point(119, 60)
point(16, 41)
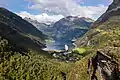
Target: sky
point(54, 10)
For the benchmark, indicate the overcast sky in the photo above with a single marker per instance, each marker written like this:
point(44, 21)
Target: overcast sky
point(53, 10)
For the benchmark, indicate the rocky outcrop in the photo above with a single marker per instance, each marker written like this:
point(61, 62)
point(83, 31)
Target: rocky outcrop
point(103, 67)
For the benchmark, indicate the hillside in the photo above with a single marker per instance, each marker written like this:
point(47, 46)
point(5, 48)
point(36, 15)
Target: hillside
point(17, 37)
point(19, 32)
point(103, 40)
point(20, 65)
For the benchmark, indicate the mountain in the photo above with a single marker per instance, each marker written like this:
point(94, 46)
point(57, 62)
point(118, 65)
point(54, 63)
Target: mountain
point(65, 30)
point(43, 27)
point(111, 13)
point(19, 32)
point(103, 43)
point(71, 27)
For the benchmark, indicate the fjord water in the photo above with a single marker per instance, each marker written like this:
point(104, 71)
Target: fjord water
point(58, 45)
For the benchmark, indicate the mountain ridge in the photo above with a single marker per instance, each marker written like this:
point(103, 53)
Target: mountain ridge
point(113, 10)
point(19, 32)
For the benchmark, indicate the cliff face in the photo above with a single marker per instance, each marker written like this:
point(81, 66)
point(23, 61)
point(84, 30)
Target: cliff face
point(103, 64)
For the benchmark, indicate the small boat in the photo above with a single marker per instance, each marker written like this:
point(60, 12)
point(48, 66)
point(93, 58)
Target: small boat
point(73, 40)
point(66, 47)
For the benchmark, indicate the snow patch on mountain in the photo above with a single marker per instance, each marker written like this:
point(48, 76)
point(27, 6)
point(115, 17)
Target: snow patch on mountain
point(42, 18)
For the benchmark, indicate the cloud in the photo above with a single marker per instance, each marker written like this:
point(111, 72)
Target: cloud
point(42, 18)
point(66, 8)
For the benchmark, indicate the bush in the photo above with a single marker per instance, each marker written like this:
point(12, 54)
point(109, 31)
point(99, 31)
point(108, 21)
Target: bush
point(79, 50)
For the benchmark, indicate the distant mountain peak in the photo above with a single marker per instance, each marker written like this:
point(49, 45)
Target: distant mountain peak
point(71, 26)
point(35, 20)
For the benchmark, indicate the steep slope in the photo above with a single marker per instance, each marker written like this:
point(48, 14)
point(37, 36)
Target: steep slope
point(103, 62)
point(113, 10)
point(16, 62)
point(19, 32)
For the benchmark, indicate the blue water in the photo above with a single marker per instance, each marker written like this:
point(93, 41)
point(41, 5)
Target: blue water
point(57, 45)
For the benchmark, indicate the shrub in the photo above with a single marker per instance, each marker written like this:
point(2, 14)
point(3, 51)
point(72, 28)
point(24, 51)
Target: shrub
point(79, 50)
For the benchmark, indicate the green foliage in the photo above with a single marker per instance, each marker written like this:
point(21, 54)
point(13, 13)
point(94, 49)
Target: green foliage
point(3, 44)
point(79, 50)
point(32, 66)
point(49, 41)
point(79, 71)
